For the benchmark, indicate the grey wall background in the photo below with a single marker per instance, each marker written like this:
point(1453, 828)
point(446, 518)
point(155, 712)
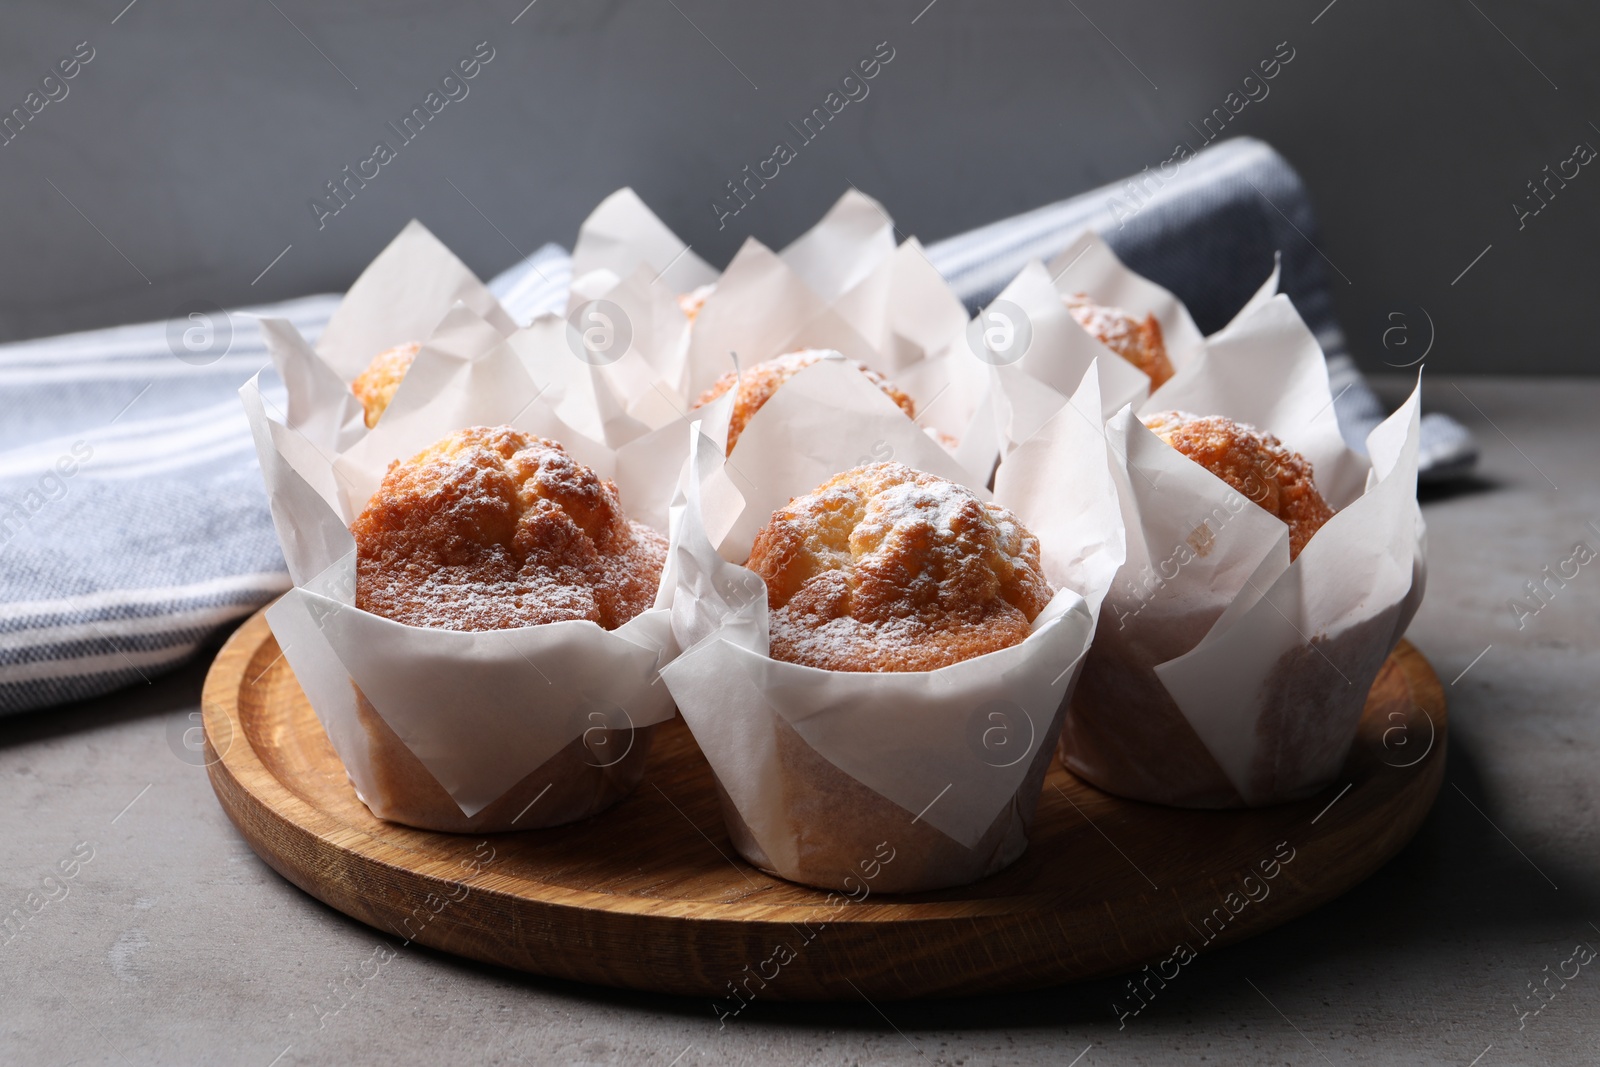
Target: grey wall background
point(195, 138)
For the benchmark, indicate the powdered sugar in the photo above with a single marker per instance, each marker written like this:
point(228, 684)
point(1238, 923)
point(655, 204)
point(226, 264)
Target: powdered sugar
point(491, 529)
point(886, 568)
point(1112, 325)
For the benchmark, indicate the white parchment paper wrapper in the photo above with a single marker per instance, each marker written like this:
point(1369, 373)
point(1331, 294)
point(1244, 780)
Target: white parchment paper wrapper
point(842, 285)
point(817, 768)
point(622, 234)
point(400, 298)
point(1060, 351)
point(1222, 674)
point(635, 267)
point(449, 730)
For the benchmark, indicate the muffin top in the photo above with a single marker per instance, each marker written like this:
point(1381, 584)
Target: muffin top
point(491, 528)
point(375, 386)
point(1255, 464)
point(691, 302)
point(885, 568)
point(1140, 343)
point(758, 383)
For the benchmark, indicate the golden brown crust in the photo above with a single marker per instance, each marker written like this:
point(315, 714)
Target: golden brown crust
point(884, 568)
point(375, 386)
point(491, 528)
point(1255, 464)
point(758, 383)
point(691, 302)
point(1140, 343)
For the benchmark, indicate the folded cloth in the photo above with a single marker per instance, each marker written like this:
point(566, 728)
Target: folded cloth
point(1208, 234)
point(134, 527)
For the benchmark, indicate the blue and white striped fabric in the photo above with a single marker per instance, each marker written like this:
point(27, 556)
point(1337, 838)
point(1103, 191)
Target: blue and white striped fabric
point(133, 524)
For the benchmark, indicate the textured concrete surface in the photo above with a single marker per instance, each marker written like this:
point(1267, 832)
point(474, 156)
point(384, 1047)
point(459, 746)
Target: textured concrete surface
point(175, 944)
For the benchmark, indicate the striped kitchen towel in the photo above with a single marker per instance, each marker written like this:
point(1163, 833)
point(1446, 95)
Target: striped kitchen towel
point(133, 524)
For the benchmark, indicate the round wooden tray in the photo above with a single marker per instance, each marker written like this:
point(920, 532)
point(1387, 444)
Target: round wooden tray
point(650, 895)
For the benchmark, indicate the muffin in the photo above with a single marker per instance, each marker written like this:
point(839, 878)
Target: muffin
point(491, 528)
point(1125, 733)
point(1255, 464)
point(757, 384)
point(1139, 343)
point(375, 386)
point(884, 568)
point(887, 569)
point(691, 302)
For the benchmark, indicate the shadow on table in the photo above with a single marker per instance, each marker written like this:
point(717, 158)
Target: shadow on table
point(164, 694)
point(1459, 874)
point(1465, 485)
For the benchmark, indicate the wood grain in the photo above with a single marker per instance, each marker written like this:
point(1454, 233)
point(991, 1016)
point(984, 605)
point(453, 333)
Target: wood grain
point(650, 895)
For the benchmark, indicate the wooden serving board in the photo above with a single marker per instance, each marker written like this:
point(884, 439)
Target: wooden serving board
point(650, 895)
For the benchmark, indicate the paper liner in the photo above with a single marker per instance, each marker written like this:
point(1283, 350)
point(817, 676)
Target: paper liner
point(1222, 674)
point(621, 235)
point(881, 304)
point(575, 783)
point(447, 729)
point(838, 825)
point(817, 766)
point(843, 286)
point(400, 298)
point(1089, 266)
point(1029, 389)
point(626, 256)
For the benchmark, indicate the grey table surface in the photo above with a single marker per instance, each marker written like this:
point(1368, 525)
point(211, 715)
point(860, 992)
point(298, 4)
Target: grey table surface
point(175, 944)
